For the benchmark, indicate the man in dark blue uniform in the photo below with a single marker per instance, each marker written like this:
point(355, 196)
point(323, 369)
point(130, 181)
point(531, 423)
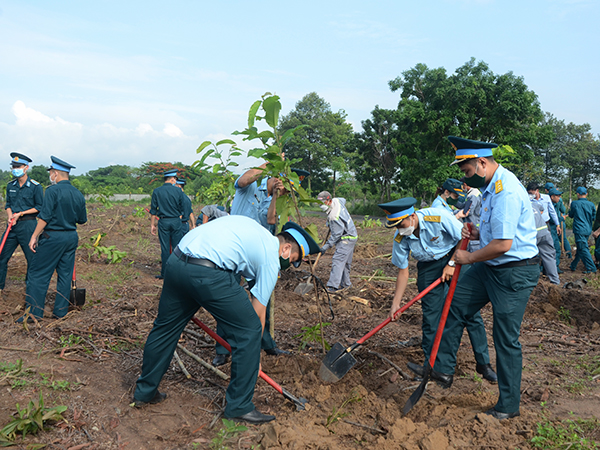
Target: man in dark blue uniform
point(24, 198)
point(583, 213)
point(187, 220)
point(168, 205)
point(205, 271)
point(504, 270)
point(54, 241)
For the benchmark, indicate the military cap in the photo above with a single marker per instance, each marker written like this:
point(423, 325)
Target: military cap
point(549, 185)
point(302, 174)
point(170, 173)
point(554, 191)
point(59, 164)
point(19, 159)
point(181, 182)
point(307, 244)
point(581, 190)
point(469, 149)
point(453, 185)
point(398, 210)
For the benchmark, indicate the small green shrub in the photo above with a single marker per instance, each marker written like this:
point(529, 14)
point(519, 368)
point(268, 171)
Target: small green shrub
point(313, 335)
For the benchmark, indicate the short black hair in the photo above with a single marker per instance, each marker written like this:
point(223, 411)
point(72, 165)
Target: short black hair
point(533, 186)
point(288, 239)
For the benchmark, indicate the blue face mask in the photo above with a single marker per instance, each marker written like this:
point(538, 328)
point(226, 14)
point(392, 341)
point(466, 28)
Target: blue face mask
point(18, 172)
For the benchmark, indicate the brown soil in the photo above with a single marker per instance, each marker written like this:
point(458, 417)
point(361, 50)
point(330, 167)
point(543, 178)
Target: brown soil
point(98, 352)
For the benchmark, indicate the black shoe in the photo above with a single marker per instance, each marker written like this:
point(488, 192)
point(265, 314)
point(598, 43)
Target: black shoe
point(158, 397)
point(487, 372)
point(220, 360)
point(443, 380)
point(500, 415)
point(559, 271)
point(332, 290)
point(159, 277)
point(276, 351)
point(255, 416)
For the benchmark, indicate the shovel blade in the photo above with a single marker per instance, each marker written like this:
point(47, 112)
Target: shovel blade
point(77, 298)
point(303, 288)
point(337, 363)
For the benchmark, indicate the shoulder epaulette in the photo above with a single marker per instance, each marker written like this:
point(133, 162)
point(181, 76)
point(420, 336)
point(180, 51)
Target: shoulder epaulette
point(34, 182)
point(398, 238)
point(499, 187)
point(436, 219)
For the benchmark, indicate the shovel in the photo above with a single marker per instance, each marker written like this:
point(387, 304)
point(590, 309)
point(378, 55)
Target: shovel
point(77, 297)
point(305, 288)
point(339, 360)
point(8, 227)
point(418, 393)
point(299, 402)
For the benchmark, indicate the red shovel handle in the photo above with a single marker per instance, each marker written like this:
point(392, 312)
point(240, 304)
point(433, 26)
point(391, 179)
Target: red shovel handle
point(400, 311)
point(8, 227)
point(446, 310)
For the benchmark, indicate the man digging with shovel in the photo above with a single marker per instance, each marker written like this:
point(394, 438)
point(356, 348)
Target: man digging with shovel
point(431, 236)
point(204, 271)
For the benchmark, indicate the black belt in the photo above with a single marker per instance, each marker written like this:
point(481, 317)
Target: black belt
point(28, 217)
point(196, 261)
point(524, 262)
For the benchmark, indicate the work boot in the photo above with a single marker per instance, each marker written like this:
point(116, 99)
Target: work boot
point(444, 380)
point(486, 371)
point(220, 360)
point(276, 351)
point(255, 417)
point(500, 415)
point(158, 397)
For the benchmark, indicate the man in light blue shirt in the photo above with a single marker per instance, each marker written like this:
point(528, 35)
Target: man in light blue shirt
point(504, 270)
point(204, 271)
point(431, 236)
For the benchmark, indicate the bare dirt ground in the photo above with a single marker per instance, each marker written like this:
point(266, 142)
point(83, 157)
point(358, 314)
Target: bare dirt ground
point(89, 360)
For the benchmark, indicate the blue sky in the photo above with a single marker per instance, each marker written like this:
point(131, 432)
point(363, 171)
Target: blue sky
point(123, 82)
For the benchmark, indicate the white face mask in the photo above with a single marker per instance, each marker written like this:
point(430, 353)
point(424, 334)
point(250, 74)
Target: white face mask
point(325, 208)
point(53, 182)
point(531, 196)
point(406, 231)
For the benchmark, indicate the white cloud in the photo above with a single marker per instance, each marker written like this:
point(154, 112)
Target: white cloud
point(172, 130)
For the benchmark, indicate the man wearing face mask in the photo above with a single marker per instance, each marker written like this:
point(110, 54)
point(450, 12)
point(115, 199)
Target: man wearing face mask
point(504, 270)
point(24, 198)
point(343, 236)
point(431, 236)
point(54, 241)
point(204, 271)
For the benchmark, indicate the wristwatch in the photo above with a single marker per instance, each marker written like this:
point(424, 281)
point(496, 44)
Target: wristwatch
point(452, 263)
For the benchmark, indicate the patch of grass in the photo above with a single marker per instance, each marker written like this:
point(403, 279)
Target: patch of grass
point(230, 430)
point(575, 434)
point(369, 223)
point(312, 335)
point(337, 414)
point(564, 315)
point(20, 378)
point(30, 420)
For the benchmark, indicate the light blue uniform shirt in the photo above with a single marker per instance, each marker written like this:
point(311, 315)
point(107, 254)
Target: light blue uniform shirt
point(439, 202)
point(439, 232)
point(548, 211)
point(506, 213)
point(253, 201)
point(241, 245)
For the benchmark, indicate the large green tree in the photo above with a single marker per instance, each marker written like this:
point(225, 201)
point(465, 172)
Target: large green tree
point(472, 103)
point(320, 143)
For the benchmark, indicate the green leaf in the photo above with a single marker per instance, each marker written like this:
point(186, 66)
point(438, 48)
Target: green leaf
point(203, 146)
point(225, 141)
point(265, 134)
point(252, 113)
point(216, 168)
point(235, 153)
point(256, 152)
point(272, 107)
point(206, 155)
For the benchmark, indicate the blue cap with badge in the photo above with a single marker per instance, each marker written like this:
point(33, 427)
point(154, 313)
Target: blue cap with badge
point(307, 244)
point(549, 185)
point(19, 159)
point(398, 210)
point(554, 191)
point(469, 149)
point(170, 173)
point(181, 182)
point(581, 190)
point(453, 185)
point(59, 164)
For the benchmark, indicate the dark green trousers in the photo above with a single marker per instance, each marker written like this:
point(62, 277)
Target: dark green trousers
point(55, 251)
point(186, 288)
point(556, 241)
point(185, 227)
point(170, 233)
point(19, 234)
point(508, 289)
point(583, 253)
point(433, 303)
point(266, 343)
